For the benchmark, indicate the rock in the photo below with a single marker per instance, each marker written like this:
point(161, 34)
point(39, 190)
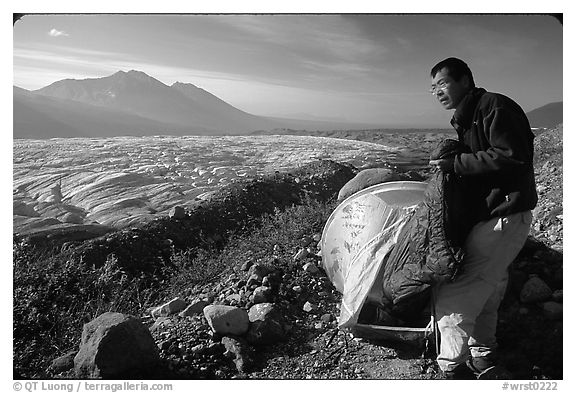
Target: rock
point(523, 311)
point(172, 307)
point(297, 288)
point(198, 349)
point(367, 178)
point(317, 237)
point(535, 290)
point(309, 307)
point(552, 310)
point(259, 271)
point(261, 295)
point(234, 298)
point(177, 212)
point(327, 318)
point(557, 247)
point(227, 319)
point(246, 266)
point(254, 279)
point(165, 345)
point(300, 255)
point(311, 268)
point(239, 351)
point(266, 324)
point(114, 345)
point(161, 323)
point(62, 363)
point(194, 308)
point(558, 295)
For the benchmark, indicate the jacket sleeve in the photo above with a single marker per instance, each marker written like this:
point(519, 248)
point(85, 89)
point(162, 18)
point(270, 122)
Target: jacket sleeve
point(510, 149)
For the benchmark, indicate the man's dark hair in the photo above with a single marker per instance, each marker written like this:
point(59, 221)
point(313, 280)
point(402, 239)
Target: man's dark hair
point(456, 69)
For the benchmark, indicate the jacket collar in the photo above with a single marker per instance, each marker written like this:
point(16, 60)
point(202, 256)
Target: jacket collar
point(464, 112)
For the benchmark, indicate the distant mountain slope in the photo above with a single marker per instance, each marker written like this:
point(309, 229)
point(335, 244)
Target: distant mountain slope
point(547, 116)
point(137, 93)
point(133, 103)
point(219, 109)
point(42, 117)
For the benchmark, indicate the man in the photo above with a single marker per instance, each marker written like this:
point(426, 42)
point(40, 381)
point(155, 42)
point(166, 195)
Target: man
point(500, 171)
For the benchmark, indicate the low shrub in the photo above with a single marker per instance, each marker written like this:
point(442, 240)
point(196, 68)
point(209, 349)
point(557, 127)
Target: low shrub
point(55, 294)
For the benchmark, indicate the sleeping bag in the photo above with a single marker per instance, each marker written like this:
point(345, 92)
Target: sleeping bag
point(429, 247)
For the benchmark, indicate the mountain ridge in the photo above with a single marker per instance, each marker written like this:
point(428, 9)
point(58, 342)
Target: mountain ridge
point(44, 117)
point(137, 93)
point(546, 116)
point(132, 103)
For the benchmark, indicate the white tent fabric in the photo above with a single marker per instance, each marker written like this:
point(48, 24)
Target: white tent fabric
point(357, 237)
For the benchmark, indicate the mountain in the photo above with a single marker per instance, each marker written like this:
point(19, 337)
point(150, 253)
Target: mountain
point(546, 116)
point(42, 117)
point(134, 103)
point(219, 109)
point(136, 93)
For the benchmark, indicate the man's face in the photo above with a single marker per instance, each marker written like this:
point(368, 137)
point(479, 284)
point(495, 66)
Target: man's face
point(448, 91)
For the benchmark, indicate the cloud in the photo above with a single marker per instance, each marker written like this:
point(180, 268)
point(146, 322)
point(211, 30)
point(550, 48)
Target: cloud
point(58, 33)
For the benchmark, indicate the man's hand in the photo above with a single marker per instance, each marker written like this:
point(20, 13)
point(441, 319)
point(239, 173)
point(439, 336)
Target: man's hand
point(445, 164)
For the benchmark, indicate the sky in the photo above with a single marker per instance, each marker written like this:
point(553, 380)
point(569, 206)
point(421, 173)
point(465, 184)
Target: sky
point(369, 68)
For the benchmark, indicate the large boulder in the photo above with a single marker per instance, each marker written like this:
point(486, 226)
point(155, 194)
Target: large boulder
point(227, 319)
point(115, 345)
point(367, 178)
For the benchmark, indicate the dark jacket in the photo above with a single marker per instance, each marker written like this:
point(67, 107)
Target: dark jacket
point(500, 164)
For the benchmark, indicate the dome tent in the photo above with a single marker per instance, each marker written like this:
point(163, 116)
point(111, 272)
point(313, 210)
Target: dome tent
point(358, 235)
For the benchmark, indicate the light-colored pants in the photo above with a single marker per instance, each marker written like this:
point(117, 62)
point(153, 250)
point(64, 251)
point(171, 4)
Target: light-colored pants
point(467, 308)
